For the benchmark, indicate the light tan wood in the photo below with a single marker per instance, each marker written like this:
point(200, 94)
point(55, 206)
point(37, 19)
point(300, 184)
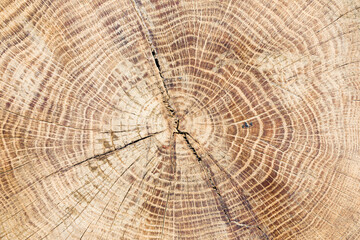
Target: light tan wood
point(169, 119)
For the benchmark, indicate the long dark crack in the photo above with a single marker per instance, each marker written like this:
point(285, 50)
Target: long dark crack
point(245, 202)
point(223, 205)
point(186, 135)
point(156, 60)
point(103, 154)
point(116, 149)
point(207, 170)
point(150, 39)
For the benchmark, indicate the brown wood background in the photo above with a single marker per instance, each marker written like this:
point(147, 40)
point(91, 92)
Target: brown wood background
point(179, 119)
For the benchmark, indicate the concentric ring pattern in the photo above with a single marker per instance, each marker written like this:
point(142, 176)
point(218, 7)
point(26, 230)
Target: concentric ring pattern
point(167, 119)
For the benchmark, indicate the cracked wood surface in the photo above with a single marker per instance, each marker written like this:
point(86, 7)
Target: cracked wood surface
point(168, 119)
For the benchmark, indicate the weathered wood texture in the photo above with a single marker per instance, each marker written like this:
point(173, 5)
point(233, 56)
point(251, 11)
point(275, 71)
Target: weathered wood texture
point(169, 119)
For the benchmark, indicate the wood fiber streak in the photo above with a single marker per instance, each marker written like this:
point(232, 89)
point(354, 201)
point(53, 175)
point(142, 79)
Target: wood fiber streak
point(169, 119)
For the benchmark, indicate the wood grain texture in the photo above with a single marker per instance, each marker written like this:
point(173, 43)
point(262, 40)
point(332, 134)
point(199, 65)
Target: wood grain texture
point(169, 119)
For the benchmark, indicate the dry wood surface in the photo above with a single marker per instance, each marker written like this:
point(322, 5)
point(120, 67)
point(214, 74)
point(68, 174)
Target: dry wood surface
point(180, 119)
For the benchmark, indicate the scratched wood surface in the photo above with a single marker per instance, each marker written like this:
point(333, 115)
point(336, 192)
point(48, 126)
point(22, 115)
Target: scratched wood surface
point(169, 119)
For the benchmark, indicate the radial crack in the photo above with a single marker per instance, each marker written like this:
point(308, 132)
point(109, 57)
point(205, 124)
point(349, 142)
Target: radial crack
point(166, 97)
point(116, 149)
point(143, 16)
point(206, 168)
point(244, 199)
point(157, 62)
point(154, 54)
point(103, 154)
point(207, 171)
